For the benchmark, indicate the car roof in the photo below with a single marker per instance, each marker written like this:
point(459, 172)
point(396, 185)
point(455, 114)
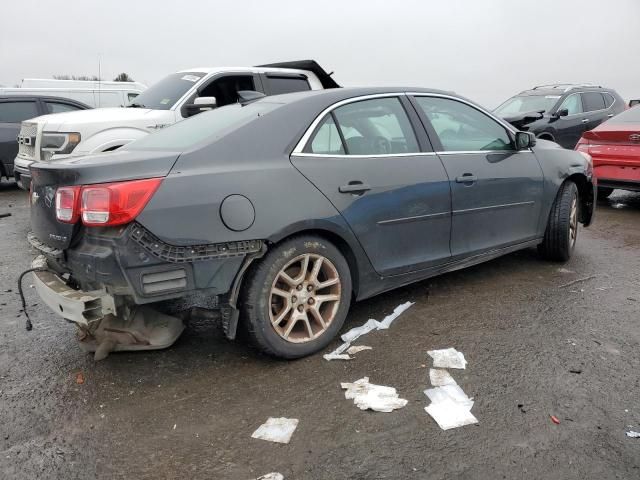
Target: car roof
point(562, 89)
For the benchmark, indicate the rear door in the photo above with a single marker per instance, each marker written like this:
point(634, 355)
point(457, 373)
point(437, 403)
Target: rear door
point(595, 109)
point(496, 191)
point(12, 114)
point(569, 128)
point(379, 172)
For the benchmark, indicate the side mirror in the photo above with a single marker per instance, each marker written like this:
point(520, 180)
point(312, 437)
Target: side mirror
point(633, 103)
point(525, 140)
point(563, 112)
point(199, 105)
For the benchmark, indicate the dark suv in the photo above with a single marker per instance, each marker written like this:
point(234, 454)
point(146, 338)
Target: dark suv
point(14, 109)
point(561, 112)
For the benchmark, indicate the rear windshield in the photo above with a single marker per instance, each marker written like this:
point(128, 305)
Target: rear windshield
point(526, 104)
point(164, 94)
point(208, 126)
point(628, 116)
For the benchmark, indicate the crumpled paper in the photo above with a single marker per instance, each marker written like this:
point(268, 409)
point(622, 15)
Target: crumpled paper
point(447, 358)
point(277, 430)
point(378, 398)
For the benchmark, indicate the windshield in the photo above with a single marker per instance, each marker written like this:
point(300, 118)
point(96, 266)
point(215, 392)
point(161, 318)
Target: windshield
point(527, 103)
point(164, 94)
point(209, 126)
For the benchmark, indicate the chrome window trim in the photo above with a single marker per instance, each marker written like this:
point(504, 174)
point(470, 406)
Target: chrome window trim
point(591, 111)
point(299, 148)
point(298, 151)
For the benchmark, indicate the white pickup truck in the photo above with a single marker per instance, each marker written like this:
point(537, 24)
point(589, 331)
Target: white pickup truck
point(176, 97)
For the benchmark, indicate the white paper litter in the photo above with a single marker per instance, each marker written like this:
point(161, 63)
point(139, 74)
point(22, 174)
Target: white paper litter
point(447, 393)
point(439, 377)
point(357, 348)
point(378, 398)
point(447, 358)
point(271, 476)
point(633, 434)
point(277, 430)
point(372, 324)
point(338, 353)
point(450, 414)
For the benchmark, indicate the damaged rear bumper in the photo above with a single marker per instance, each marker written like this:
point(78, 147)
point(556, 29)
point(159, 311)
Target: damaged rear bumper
point(73, 305)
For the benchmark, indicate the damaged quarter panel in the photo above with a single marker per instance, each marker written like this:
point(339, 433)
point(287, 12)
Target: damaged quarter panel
point(557, 169)
point(245, 188)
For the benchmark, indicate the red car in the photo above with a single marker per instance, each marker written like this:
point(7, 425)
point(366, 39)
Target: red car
point(614, 147)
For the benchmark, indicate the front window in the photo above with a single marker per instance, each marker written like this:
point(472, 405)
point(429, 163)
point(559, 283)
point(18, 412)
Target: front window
point(164, 94)
point(527, 103)
point(573, 104)
point(462, 128)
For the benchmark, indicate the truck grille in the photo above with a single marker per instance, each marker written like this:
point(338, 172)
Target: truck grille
point(27, 140)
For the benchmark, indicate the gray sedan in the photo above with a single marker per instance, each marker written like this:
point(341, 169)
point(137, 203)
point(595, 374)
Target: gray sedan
point(286, 209)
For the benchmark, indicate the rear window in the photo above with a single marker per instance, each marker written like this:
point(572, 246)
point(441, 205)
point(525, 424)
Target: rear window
point(205, 126)
point(279, 85)
point(628, 116)
point(16, 112)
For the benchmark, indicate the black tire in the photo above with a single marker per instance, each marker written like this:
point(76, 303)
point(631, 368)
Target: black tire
point(257, 298)
point(604, 192)
point(558, 244)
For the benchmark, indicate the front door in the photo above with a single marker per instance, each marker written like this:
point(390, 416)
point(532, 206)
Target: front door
point(570, 127)
point(364, 156)
point(496, 191)
point(12, 114)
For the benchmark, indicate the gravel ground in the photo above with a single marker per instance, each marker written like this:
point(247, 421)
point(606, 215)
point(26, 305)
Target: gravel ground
point(189, 411)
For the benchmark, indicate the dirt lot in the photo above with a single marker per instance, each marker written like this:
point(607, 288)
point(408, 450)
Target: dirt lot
point(188, 412)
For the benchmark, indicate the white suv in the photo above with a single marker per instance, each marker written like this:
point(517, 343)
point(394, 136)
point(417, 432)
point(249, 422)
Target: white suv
point(176, 97)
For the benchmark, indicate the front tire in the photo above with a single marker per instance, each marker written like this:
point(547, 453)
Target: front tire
point(296, 298)
point(562, 228)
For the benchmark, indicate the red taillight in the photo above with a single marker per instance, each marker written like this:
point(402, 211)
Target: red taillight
point(108, 203)
point(67, 204)
point(583, 145)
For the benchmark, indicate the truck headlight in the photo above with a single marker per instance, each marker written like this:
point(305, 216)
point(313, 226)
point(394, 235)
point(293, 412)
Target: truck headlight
point(58, 143)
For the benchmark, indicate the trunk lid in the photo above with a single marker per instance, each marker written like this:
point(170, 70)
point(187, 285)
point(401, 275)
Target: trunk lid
point(615, 133)
point(103, 168)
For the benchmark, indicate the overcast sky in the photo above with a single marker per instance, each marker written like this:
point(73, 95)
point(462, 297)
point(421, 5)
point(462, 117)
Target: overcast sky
point(487, 50)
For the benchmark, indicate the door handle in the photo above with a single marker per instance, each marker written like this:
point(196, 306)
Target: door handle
point(585, 120)
point(610, 115)
point(467, 178)
point(355, 187)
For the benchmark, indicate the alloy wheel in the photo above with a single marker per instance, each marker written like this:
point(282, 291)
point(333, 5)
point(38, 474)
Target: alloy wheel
point(573, 222)
point(304, 298)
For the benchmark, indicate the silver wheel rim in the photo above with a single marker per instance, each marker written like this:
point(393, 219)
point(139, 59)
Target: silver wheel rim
point(573, 222)
point(304, 298)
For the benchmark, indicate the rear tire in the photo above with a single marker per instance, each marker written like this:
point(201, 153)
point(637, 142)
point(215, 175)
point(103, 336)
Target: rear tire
point(604, 192)
point(562, 228)
point(291, 305)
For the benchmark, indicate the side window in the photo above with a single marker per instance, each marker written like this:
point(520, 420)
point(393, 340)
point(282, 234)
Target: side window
point(573, 104)
point(376, 127)
point(326, 139)
point(57, 107)
point(593, 101)
point(131, 96)
point(462, 128)
point(16, 112)
point(608, 99)
point(279, 85)
point(226, 88)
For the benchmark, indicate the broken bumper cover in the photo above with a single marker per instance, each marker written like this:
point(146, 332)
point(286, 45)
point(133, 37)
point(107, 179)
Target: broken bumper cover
point(74, 305)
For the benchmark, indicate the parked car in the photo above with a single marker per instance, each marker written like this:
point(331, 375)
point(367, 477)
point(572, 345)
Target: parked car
point(17, 108)
point(561, 112)
point(288, 208)
point(92, 93)
point(176, 97)
point(615, 149)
